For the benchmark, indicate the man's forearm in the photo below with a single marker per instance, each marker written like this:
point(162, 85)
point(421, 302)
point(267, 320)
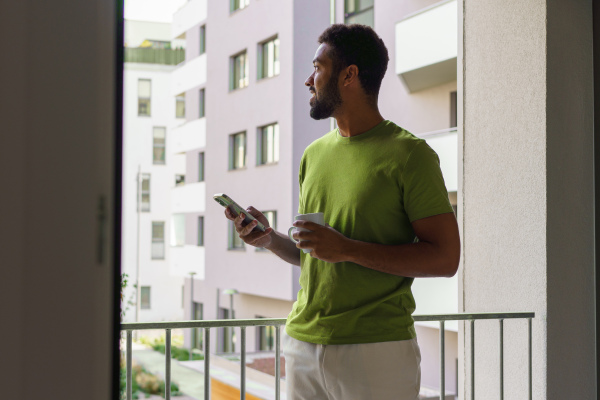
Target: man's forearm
point(414, 260)
point(284, 248)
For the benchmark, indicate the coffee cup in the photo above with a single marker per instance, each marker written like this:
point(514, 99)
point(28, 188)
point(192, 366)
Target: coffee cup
point(317, 218)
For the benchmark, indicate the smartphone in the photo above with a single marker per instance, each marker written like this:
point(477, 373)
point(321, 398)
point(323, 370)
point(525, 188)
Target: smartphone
point(227, 201)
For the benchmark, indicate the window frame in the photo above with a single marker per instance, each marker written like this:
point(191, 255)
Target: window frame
point(200, 231)
point(260, 144)
point(201, 165)
point(148, 306)
point(233, 83)
point(232, 153)
point(141, 192)
point(180, 100)
point(156, 146)
point(348, 15)
point(241, 4)
point(202, 103)
point(142, 98)
point(202, 39)
point(272, 224)
point(232, 242)
point(156, 240)
point(261, 58)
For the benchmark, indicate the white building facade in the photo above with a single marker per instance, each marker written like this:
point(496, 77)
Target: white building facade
point(150, 171)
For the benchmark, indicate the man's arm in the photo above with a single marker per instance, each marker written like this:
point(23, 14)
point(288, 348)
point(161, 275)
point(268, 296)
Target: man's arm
point(435, 255)
point(276, 242)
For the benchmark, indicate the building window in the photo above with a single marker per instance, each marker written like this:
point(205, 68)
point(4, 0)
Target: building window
point(238, 4)
point(201, 167)
point(179, 180)
point(202, 39)
point(239, 71)
point(234, 241)
point(237, 150)
point(268, 144)
point(268, 59)
point(201, 102)
point(359, 12)
point(200, 231)
point(144, 91)
point(144, 195)
point(178, 230)
point(158, 240)
point(271, 216)
point(265, 337)
point(453, 110)
point(180, 106)
point(145, 298)
point(159, 134)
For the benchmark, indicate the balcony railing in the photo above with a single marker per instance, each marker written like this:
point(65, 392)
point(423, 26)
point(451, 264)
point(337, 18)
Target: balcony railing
point(278, 322)
point(154, 56)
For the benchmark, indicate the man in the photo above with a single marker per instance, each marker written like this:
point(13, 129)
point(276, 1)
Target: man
point(350, 333)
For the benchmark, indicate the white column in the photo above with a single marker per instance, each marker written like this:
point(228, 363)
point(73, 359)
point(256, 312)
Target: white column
point(525, 76)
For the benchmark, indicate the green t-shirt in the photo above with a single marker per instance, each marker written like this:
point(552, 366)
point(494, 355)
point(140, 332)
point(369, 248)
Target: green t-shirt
point(370, 188)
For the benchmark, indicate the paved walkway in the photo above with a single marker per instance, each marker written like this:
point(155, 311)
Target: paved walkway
point(190, 382)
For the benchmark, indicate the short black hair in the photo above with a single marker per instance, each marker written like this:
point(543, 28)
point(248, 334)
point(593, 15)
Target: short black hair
point(358, 45)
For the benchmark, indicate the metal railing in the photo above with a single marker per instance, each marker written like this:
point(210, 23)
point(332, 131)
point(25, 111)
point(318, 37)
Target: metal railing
point(148, 55)
point(278, 322)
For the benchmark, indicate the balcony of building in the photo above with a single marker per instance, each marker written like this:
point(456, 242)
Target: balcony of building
point(188, 136)
point(188, 198)
point(148, 55)
point(426, 47)
point(189, 75)
point(191, 13)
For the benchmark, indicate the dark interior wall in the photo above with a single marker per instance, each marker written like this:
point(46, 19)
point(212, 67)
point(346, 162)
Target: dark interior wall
point(58, 136)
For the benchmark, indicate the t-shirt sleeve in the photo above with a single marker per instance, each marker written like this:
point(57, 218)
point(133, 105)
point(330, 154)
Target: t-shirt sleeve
point(424, 190)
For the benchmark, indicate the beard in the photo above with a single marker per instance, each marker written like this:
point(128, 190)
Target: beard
point(328, 100)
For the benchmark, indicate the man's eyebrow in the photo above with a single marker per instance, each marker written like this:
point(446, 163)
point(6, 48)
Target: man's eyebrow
point(317, 60)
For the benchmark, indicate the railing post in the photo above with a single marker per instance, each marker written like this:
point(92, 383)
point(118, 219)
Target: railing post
point(128, 383)
point(243, 364)
point(167, 364)
point(472, 359)
point(277, 361)
point(530, 353)
point(501, 359)
point(442, 361)
point(207, 363)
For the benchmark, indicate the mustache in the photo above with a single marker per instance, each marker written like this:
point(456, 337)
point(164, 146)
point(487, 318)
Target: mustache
point(312, 89)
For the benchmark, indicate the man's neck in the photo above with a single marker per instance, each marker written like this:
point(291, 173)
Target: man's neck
point(353, 122)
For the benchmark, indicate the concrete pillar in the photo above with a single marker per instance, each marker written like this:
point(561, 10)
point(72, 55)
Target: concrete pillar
point(526, 94)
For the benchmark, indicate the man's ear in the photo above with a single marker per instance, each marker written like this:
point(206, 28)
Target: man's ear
point(351, 75)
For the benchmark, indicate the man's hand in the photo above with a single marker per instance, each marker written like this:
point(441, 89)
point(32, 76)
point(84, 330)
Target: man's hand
point(326, 243)
point(256, 238)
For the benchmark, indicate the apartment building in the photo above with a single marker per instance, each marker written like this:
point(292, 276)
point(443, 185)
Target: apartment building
point(247, 125)
point(150, 171)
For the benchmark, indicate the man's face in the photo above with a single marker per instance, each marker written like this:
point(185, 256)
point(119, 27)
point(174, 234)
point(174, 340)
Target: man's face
point(323, 84)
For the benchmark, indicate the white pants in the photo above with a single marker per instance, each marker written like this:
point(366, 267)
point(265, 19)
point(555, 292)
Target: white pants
point(370, 371)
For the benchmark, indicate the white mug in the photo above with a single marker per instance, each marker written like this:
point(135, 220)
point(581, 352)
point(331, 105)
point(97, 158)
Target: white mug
point(317, 218)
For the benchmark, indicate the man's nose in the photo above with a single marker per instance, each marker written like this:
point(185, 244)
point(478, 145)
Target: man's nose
point(310, 81)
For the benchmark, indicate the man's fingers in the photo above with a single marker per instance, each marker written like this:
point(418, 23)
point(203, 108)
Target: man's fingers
point(311, 226)
point(229, 215)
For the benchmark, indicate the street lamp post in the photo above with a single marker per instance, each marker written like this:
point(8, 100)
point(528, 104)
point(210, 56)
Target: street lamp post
point(192, 316)
point(231, 292)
